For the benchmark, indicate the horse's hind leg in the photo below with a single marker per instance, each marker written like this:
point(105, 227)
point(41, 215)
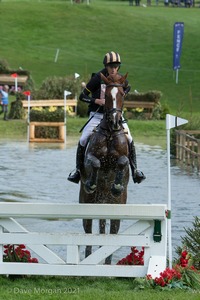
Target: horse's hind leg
point(87, 225)
point(102, 226)
point(114, 228)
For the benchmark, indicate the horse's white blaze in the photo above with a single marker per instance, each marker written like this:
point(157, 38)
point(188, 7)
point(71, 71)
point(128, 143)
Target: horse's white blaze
point(114, 93)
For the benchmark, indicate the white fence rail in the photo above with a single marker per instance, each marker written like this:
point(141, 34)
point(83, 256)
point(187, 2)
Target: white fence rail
point(148, 229)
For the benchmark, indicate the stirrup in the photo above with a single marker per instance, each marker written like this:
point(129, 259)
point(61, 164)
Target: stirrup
point(75, 177)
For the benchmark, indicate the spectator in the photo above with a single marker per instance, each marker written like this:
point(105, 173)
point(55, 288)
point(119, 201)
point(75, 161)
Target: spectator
point(4, 101)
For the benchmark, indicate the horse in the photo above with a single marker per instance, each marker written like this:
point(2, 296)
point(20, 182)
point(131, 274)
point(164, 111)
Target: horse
point(105, 173)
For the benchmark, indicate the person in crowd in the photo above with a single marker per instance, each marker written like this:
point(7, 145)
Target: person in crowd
point(94, 94)
point(4, 101)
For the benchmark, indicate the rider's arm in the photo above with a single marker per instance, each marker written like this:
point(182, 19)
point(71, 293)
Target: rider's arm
point(92, 86)
point(84, 96)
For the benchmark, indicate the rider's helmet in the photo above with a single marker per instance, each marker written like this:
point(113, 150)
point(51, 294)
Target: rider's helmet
point(112, 58)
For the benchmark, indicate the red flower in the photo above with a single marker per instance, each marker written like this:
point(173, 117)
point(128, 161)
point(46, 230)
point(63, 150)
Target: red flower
point(18, 253)
point(184, 254)
point(184, 262)
point(33, 260)
point(169, 276)
point(134, 258)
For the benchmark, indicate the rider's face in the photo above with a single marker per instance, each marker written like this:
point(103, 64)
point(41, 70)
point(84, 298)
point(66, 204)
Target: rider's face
point(112, 70)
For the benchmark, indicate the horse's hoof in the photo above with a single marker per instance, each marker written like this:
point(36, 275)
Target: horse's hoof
point(90, 188)
point(117, 189)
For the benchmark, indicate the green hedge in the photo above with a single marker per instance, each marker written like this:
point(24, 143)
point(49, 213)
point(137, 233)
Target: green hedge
point(45, 115)
point(150, 96)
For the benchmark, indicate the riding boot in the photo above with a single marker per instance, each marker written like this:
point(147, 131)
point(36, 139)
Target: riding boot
point(137, 175)
point(75, 177)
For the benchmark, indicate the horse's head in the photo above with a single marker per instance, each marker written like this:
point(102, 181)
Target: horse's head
point(114, 96)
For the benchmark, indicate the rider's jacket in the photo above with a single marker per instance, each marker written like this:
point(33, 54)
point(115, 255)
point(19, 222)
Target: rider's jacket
point(96, 87)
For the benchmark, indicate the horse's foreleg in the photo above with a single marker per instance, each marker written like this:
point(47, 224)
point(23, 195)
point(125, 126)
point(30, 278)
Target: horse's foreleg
point(87, 225)
point(93, 165)
point(122, 165)
point(114, 226)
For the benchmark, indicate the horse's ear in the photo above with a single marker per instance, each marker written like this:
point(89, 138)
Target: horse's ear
point(123, 78)
point(104, 79)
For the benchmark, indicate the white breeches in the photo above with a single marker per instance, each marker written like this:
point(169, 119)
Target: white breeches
point(94, 122)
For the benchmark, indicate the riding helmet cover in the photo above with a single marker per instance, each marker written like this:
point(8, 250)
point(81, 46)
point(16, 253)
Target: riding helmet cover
point(111, 58)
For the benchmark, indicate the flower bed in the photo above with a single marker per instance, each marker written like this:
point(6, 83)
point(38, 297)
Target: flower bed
point(182, 275)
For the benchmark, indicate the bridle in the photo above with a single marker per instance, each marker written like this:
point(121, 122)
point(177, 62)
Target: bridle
point(110, 112)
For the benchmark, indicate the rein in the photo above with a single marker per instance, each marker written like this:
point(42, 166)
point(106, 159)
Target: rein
point(112, 110)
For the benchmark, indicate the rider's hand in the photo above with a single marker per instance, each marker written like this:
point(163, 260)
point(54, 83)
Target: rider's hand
point(100, 102)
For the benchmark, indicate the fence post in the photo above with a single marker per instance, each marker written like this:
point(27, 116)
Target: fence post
point(32, 131)
point(62, 132)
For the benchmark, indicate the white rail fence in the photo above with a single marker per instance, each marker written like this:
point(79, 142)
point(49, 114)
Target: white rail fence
point(148, 229)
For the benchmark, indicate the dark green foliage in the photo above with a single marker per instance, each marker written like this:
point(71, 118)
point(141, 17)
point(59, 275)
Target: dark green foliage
point(46, 116)
point(82, 109)
point(54, 87)
point(192, 242)
point(46, 132)
point(16, 110)
point(151, 96)
point(165, 109)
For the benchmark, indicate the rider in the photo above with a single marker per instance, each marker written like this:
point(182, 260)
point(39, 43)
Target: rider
point(96, 87)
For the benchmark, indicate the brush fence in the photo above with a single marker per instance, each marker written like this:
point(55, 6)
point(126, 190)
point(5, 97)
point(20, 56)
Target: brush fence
point(147, 228)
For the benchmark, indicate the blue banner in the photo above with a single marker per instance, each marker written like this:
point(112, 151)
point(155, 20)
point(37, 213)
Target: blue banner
point(178, 39)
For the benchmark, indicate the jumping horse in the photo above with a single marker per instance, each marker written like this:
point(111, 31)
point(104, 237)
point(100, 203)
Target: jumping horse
point(105, 174)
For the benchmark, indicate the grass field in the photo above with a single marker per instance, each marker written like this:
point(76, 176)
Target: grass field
point(87, 288)
point(32, 31)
